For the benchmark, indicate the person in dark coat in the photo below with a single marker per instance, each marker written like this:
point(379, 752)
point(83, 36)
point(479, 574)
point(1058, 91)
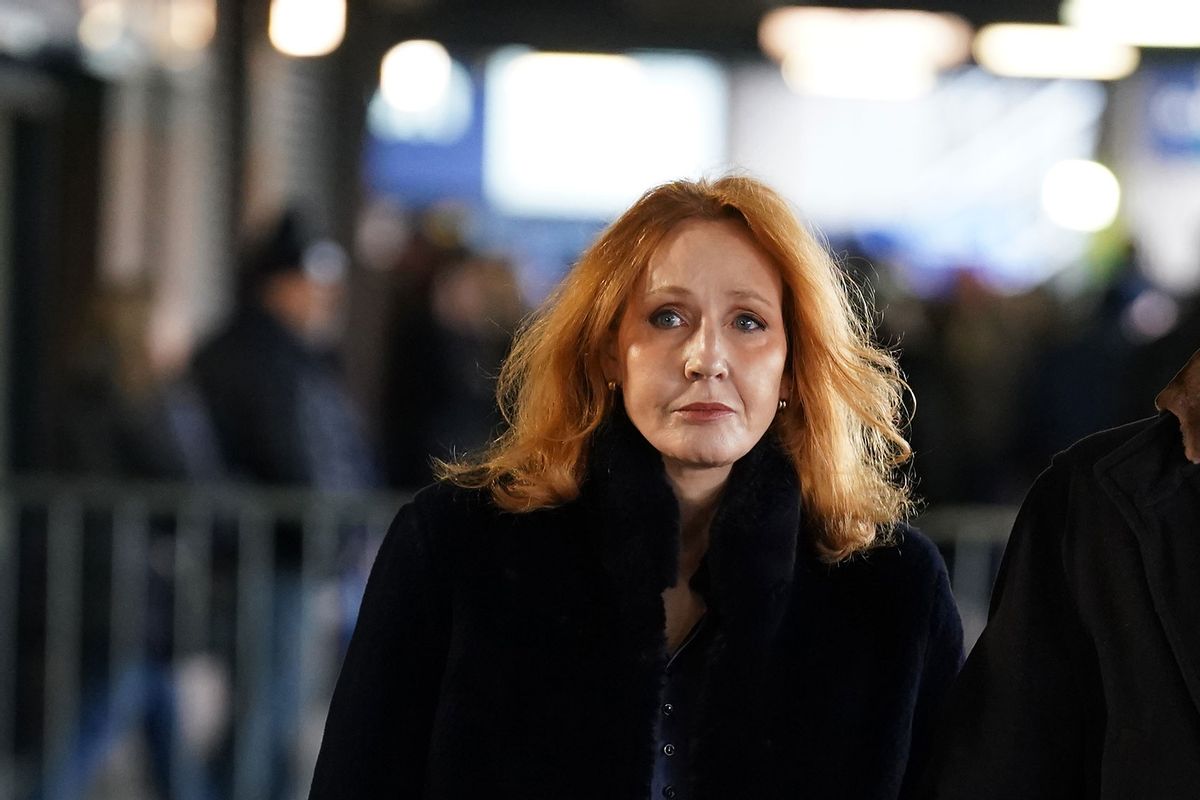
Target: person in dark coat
point(682, 571)
point(1086, 681)
point(284, 418)
point(280, 408)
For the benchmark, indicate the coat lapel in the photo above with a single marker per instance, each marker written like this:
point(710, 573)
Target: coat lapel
point(634, 523)
point(635, 517)
point(1158, 492)
point(752, 552)
point(749, 575)
point(746, 579)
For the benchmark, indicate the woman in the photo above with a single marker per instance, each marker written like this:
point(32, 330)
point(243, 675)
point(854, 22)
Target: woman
point(681, 571)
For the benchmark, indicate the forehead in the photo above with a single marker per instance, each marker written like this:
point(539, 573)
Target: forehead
point(717, 254)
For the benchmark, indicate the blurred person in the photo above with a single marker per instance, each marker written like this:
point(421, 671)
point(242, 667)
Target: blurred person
point(1075, 381)
point(281, 411)
point(418, 342)
point(1086, 681)
point(456, 344)
point(131, 409)
point(283, 417)
point(130, 413)
point(987, 341)
point(682, 571)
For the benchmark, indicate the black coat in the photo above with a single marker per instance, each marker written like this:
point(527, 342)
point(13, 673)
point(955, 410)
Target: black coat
point(279, 408)
point(1086, 681)
point(520, 655)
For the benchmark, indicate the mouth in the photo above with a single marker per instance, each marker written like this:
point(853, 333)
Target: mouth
point(704, 412)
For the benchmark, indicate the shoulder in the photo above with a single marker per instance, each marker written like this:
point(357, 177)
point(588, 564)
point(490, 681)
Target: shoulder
point(1084, 454)
point(444, 509)
point(428, 530)
point(1132, 458)
point(898, 596)
point(904, 576)
point(446, 506)
point(906, 555)
point(462, 532)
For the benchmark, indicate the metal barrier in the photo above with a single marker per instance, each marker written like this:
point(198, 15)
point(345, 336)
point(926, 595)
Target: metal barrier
point(972, 539)
point(110, 591)
point(215, 618)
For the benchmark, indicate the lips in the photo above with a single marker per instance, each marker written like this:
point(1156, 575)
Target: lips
point(704, 412)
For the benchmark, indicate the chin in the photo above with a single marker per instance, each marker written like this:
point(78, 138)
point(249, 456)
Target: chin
point(707, 455)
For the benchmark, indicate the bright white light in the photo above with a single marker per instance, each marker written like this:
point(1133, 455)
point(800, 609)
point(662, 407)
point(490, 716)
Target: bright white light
point(940, 39)
point(102, 25)
point(1081, 195)
point(1052, 51)
point(306, 28)
point(856, 53)
point(415, 75)
point(1148, 23)
point(111, 45)
point(854, 79)
point(581, 136)
point(191, 24)
point(443, 122)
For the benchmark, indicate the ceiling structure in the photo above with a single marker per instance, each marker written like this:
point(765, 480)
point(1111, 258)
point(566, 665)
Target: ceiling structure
point(720, 26)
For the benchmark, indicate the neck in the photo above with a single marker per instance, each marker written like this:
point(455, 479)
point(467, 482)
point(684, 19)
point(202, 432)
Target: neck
point(698, 491)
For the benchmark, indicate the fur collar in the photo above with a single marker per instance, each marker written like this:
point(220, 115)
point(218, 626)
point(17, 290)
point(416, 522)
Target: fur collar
point(754, 537)
point(1182, 398)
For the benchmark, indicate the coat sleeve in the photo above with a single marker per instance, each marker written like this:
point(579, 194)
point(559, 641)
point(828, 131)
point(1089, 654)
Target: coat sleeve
point(377, 733)
point(1017, 719)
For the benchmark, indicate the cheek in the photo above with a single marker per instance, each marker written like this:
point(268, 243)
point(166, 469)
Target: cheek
point(637, 383)
point(642, 367)
point(768, 369)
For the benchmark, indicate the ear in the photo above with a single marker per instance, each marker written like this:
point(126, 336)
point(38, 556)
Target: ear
point(785, 385)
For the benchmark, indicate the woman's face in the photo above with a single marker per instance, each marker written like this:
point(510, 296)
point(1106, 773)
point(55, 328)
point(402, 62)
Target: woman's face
point(701, 348)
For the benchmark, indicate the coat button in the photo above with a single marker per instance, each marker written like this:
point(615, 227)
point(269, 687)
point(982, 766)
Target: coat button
point(668, 750)
point(669, 792)
point(668, 709)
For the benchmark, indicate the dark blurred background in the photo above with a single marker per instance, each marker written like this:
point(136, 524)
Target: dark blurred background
point(260, 261)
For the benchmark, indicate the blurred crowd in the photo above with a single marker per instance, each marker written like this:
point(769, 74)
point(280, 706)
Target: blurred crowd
point(265, 399)
point(315, 383)
point(1003, 381)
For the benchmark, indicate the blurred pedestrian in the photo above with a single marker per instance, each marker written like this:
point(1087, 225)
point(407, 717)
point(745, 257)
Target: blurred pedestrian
point(455, 346)
point(283, 417)
point(281, 410)
point(131, 414)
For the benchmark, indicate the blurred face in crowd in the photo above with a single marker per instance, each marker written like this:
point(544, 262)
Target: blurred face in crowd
point(310, 308)
point(308, 297)
point(700, 350)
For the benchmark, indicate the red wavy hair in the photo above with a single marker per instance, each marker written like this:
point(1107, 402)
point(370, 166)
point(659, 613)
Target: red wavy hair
point(842, 427)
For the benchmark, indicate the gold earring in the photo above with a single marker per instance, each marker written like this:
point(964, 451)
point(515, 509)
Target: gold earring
point(782, 404)
point(612, 386)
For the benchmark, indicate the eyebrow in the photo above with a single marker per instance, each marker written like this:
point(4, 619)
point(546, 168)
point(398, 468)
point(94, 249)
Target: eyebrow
point(737, 294)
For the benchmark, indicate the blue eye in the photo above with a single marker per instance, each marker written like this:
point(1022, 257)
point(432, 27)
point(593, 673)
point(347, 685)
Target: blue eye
point(666, 318)
point(746, 322)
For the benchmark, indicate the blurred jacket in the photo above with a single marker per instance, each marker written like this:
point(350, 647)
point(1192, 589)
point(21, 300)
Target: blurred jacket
point(281, 413)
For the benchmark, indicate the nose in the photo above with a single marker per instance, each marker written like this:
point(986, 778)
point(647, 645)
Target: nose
point(705, 355)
